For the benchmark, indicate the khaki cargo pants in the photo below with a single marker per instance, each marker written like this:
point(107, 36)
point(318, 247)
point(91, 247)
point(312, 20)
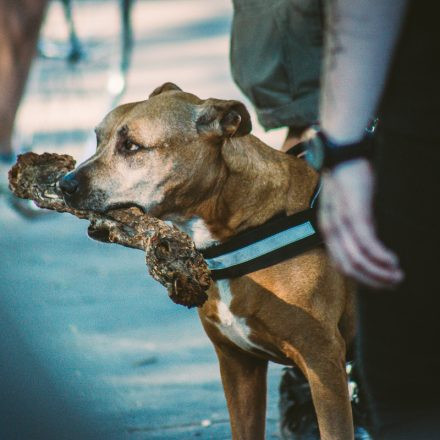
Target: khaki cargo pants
point(276, 48)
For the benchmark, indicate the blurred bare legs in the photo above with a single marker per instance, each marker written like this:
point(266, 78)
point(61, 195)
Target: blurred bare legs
point(20, 22)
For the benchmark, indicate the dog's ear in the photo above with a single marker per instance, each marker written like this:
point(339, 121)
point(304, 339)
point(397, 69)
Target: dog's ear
point(164, 88)
point(223, 118)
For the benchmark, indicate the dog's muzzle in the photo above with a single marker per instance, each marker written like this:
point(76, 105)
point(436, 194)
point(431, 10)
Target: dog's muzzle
point(78, 194)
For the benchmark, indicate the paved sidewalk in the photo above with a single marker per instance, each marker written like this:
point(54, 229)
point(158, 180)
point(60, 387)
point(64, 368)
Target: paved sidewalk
point(90, 310)
point(95, 316)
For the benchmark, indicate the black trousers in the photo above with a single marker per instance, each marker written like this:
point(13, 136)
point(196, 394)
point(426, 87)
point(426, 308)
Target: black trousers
point(399, 331)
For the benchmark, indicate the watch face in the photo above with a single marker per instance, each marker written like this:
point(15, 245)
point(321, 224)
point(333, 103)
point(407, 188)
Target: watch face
point(315, 153)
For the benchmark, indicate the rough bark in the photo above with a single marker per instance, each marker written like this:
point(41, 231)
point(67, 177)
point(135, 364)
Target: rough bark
point(171, 256)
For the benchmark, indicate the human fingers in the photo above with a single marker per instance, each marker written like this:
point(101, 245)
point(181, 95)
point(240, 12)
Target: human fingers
point(353, 185)
point(364, 233)
point(361, 266)
point(348, 255)
point(328, 225)
point(340, 254)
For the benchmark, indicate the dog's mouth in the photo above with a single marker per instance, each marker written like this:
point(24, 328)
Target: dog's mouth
point(98, 231)
point(123, 205)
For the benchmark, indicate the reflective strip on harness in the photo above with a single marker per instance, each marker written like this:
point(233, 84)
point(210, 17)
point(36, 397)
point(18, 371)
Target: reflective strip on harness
point(277, 240)
point(259, 248)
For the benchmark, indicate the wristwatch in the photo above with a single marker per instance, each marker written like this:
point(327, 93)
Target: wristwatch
point(322, 153)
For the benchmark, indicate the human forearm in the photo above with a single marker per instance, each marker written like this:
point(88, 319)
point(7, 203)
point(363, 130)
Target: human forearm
point(360, 40)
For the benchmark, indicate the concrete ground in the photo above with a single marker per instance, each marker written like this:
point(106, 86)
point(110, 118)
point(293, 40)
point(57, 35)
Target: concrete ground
point(90, 312)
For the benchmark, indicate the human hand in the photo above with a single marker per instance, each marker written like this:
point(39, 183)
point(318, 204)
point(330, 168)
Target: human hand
point(346, 221)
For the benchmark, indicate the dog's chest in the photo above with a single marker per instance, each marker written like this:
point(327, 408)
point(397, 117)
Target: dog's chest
point(231, 326)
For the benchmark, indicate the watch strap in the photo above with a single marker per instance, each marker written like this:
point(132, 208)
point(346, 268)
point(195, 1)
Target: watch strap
point(334, 154)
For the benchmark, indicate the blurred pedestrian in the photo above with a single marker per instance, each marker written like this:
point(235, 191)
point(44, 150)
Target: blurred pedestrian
point(20, 22)
point(378, 200)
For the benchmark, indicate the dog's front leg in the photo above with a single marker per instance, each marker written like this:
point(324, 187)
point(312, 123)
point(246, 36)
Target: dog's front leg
point(244, 380)
point(328, 384)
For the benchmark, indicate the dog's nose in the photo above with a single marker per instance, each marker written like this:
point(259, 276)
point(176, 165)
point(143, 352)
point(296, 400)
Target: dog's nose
point(68, 184)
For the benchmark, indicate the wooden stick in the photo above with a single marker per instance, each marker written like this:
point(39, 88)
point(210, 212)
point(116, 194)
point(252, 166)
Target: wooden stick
point(171, 256)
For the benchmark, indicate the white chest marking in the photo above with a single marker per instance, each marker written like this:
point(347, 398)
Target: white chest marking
point(231, 326)
point(199, 232)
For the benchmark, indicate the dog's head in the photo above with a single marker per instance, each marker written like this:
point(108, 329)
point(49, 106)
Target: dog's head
point(156, 153)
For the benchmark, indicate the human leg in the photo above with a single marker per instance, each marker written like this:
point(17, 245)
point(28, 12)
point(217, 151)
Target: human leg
point(20, 23)
point(276, 59)
point(398, 330)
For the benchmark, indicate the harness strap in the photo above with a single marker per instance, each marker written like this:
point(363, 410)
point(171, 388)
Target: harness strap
point(298, 150)
point(279, 239)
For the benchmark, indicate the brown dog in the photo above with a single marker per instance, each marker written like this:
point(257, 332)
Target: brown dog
point(194, 162)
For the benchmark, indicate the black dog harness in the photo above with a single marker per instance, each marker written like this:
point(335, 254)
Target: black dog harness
point(280, 238)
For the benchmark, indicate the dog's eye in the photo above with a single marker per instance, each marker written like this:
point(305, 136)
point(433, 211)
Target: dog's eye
point(131, 146)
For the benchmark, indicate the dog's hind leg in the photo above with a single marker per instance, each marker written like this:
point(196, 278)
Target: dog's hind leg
point(244, 380)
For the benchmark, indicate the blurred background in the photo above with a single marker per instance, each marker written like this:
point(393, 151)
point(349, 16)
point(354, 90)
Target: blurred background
point(106, 336)
point(182, 41)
